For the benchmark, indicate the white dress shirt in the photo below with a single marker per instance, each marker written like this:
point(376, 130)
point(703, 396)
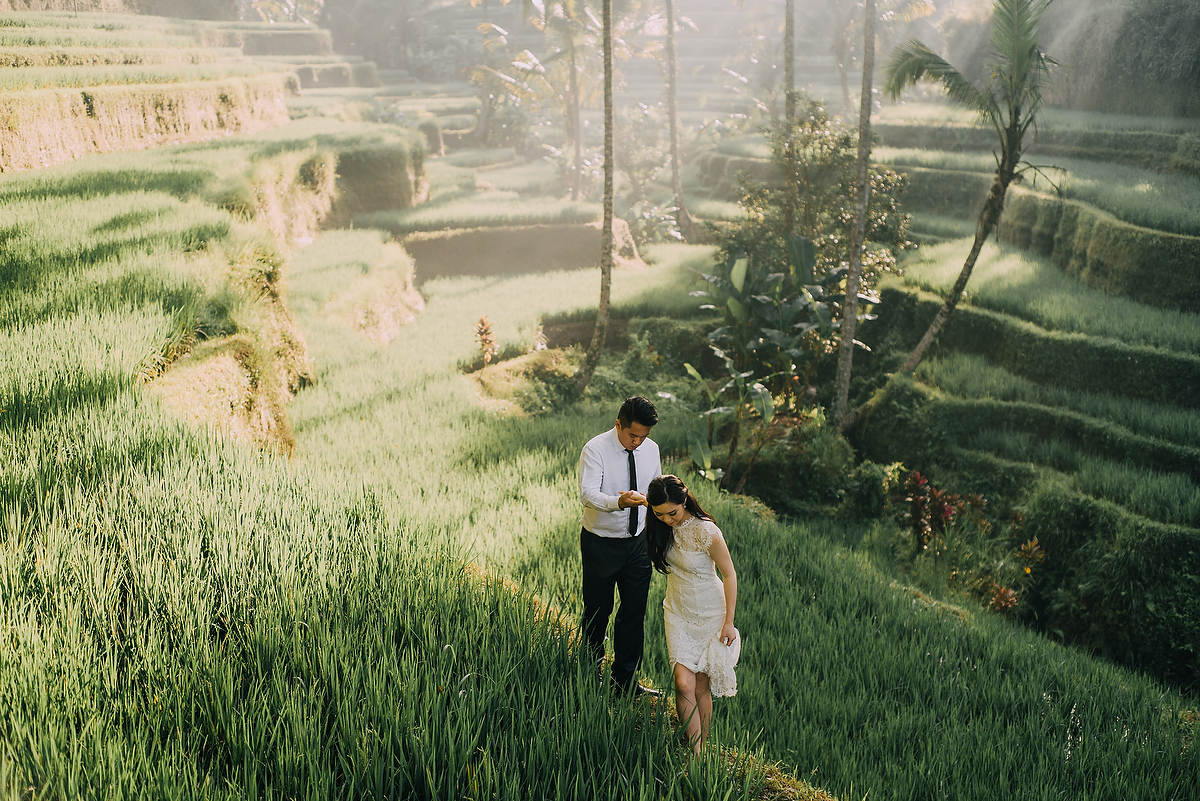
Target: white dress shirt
point(604, 475)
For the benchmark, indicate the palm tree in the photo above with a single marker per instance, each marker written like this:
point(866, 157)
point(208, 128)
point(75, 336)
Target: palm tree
point(1009, 103)
point(592, 357)
point(861, 196)
point(789, 61)
point(682, 219)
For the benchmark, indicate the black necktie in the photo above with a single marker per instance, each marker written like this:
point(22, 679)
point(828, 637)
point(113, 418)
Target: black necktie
point(633, 510)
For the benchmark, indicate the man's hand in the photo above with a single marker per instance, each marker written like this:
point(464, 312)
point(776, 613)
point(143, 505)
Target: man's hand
point(630, 498)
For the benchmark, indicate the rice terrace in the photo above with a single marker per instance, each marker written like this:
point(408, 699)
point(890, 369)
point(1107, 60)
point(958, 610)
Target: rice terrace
point(316, 317)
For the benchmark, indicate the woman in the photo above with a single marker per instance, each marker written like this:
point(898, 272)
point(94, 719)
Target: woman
point(685, 543)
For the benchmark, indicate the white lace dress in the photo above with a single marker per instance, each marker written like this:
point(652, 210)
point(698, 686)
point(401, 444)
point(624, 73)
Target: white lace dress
point(694, 609)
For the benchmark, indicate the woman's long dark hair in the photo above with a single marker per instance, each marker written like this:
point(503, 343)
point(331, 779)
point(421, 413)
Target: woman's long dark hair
point(659, 536)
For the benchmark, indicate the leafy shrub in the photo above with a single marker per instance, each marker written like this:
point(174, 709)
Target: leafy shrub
point(1118, 584)
point(808, 468)
point(868, 490)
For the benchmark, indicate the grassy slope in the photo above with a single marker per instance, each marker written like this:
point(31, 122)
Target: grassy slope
point(195, 619)
point(1009, 280)
point(284, 611)
point(1142, 197)
point(844, 672)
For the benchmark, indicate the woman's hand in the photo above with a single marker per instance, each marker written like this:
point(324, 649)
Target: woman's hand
point(728, 633)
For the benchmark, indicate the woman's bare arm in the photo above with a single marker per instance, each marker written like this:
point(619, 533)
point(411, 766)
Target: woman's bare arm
point(719, 552)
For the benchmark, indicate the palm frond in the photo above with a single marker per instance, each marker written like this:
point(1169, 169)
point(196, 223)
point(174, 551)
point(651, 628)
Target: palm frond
point(913, 62)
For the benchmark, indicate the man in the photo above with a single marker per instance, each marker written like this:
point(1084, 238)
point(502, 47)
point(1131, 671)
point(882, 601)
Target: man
point(615, 469)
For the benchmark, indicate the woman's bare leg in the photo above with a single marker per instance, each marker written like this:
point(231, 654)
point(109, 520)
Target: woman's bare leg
point(685, 704)
point(704, 705)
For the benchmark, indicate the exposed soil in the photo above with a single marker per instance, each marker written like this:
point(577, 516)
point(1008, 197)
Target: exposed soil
point(517, 250)
point(568, 334)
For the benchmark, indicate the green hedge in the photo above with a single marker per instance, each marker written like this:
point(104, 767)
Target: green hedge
point(906, 425)
point(366, 74)
point(1113, 582)
point(1131, 147)
point(48, 126)
point(1117, 583)
point(960, 417)
point(945, 193)
point(323, 76)
point(266, 42)
point(719, 172)
point(1187, 157)
point(379, 176)
point(1072, 361)
point(1151, 267)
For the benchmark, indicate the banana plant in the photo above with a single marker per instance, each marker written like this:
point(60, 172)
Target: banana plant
point(769, 315)
point(699, 444)
point(746, 396)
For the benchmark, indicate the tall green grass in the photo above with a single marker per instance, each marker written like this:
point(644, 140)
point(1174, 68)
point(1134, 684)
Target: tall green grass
point(60, 37)
point(709, 209)
point(68, 77)
point(193, 618)
point(1166, 497)
point(973, 377)
point(937, 228)
point(844, 673)
point(481, 210)
point(535, 177)
point(1011, 281)
point(94, 56)
point(1164, 202)
point(925, 112)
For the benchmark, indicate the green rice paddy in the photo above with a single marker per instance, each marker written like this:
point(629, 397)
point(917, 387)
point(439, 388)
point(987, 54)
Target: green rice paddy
point(378, 615)
point(234, 619)
point(73, 77)
point(1009, 280)
point(1163, 202)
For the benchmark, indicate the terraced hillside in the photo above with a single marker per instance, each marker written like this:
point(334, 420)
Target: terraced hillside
point(1065, 390)
point(74, 84)
point(261, 536)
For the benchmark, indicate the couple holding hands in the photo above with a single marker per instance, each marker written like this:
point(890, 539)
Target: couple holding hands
point(636, 520)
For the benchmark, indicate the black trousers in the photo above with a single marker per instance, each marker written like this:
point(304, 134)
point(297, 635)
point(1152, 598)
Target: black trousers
point(623, 563)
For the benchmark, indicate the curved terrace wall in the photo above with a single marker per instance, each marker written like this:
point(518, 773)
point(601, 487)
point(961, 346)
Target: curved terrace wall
point(49, 126)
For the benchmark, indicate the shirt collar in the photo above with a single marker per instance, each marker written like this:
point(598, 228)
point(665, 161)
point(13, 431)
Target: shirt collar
point(617, 441)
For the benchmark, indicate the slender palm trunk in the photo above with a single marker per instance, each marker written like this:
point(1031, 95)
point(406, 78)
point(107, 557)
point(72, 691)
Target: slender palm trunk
point(682, 219)
point(988, 219)
point(592, 358)
point(987, 224)
point(791, 196)
point(858, 237)
point(575, 123)
point(789, 61)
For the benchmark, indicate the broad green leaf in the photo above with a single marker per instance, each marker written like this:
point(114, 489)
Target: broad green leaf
point(693, 372)
point(740, 312)
point(765, 404)
point(802, 258)
point(701, 452)
point(738, 274)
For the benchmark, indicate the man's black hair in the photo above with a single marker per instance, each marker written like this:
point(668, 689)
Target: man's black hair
point(637, 410)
